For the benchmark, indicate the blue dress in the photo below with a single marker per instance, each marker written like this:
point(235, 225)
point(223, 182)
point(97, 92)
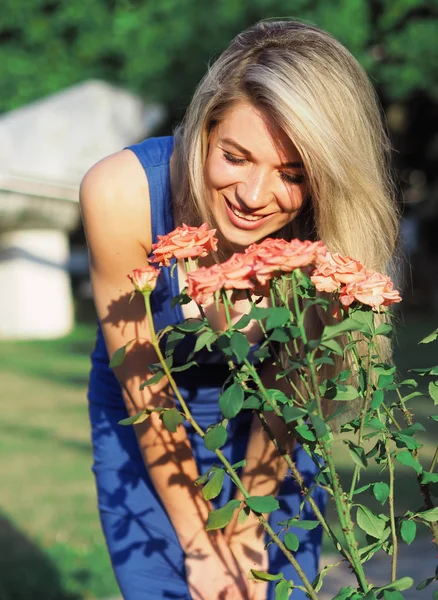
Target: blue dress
point(147, 558)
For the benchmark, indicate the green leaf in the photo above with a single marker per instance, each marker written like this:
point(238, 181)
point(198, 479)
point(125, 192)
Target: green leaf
point(365, 318)
point(184, 367)
point(293, 413)
point(304, 432)
point(408, 531)
point(357, 453)
point(205, 339)
point(244, 513)
point(262, 353)
point(406, 458)
point(334, 346)
point(171, 419)
point(368, 551)
point(433, 391)
point(423, 584)
point(406, 441)
point(342, 393)
point(319, 426)
point(172, 340)
point(224, 344)
point(429, 515)
point(202, 479)
point(392, 595)
point(218, 519)
point(291, 541)
point(240, 345)
point(378, 397)
point(344, 593)
point(384, 329)
point(231, 401)
point(263, 576)
point(262, 504)
point(190, 325)
point(363, 488)
point(332, 331)
point(369, 522)
point(215, 437)
point(428, 477)
point(253, 402)
point(307, 525)
point(119, 356)
point(279, 335)
point(381, 491)
point(138, 418)
point(430, 338)
point(213, 487)
point(259, 312)
point(152, 380)
point(278, 317)
point(242, 322)
point(404, 583)
point(282, 590)
point(428, 371)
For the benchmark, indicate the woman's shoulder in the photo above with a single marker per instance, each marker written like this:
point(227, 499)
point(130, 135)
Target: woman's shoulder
point(153, 152)
point(116, 190)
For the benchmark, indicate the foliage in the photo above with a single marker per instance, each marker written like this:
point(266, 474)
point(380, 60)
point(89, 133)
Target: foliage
point(161, 49)
point(384, 430)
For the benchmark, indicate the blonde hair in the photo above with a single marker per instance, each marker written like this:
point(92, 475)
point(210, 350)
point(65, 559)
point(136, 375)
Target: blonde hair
point(322, 99)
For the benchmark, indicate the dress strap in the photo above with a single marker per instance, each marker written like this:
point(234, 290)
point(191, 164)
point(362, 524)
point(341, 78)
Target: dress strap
point(154, 156)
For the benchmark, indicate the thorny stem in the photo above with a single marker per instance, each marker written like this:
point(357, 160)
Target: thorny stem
point(392, 514)
point(340, 497)
point(424, 488)
point(232, 473)
point(295, 472)
point(262, 520)
point(275, 353)
point(362, 420)
point(434, 460)
point(299, 479)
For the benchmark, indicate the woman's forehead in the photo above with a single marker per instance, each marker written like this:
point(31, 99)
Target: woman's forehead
point(254, 130)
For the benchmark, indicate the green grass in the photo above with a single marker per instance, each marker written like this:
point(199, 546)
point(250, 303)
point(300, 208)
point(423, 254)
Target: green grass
point(48, 517)
point(49, 521)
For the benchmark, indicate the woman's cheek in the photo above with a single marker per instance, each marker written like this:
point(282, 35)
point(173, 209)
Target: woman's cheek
point(218, 173)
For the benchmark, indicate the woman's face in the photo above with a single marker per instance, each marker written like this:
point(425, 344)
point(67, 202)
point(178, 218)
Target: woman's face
point(254, 175)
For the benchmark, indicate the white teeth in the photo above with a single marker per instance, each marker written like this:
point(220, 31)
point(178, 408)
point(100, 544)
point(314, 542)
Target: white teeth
point(243, 215)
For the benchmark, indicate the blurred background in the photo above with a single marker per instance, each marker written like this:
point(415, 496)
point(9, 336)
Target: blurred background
point(79, 80)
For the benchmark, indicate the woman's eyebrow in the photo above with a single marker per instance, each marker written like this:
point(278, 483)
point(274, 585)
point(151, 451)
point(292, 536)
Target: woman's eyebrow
point(247, 153)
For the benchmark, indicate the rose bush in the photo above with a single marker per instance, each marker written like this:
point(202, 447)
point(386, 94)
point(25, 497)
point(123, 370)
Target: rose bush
point(383, 432)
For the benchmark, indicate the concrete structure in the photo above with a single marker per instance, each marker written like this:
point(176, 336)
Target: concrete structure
point(45, 149)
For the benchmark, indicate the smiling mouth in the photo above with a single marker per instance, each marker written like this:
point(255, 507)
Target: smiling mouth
point(244, 215)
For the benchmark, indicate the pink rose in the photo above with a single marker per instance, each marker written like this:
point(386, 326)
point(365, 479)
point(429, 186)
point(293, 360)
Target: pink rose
point(203, 283)
point(184, 242)
point(272, 257)
point(236, 273)
point(144, 279)
point(376, 290)
point(334, 270)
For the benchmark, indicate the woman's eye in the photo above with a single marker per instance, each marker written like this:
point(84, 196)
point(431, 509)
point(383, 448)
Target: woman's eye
point(233, 159)
point(289, 178)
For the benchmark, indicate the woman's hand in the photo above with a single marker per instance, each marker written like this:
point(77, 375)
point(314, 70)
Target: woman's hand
point(251, 554)
point(215, 577)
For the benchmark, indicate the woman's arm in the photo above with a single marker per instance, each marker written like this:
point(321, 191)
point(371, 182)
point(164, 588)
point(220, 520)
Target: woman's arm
point(116, 212)
point(263, 475)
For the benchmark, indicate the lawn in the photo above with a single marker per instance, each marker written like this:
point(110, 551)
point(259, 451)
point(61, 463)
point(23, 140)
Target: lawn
point(48, 519)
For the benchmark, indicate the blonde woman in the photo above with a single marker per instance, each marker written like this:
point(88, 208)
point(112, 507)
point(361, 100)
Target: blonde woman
point(283, 137)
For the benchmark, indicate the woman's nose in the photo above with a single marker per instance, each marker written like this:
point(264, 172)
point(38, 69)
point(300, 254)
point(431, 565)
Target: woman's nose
point(254, 191)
